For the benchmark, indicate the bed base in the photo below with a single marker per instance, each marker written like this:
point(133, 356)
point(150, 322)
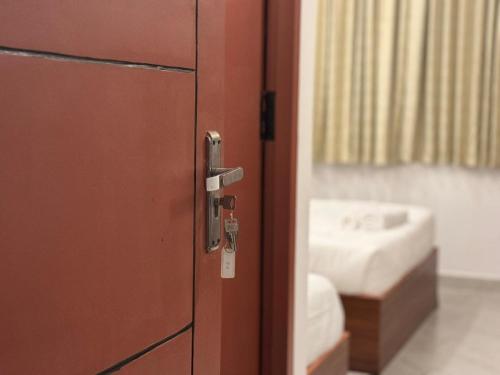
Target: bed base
point(380, 326)
point(333, 362)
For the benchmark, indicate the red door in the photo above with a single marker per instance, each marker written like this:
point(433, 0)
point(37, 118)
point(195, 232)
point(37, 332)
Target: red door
point(241, 322)
point(104, 109)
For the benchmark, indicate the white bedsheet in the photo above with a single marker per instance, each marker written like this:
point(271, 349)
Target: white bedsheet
point(366, 262)
point(325, 316)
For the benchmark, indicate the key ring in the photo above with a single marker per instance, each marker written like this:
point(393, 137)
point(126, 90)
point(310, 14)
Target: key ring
point(228, 249)
point(227, 246)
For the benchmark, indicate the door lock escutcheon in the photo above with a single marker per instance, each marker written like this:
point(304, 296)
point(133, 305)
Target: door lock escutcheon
point(217, 178)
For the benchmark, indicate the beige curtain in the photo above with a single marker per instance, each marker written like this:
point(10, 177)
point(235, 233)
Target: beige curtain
point(403, 81)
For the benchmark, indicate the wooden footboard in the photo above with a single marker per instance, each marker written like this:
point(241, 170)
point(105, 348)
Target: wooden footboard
point(380, 326)
point(333, 362)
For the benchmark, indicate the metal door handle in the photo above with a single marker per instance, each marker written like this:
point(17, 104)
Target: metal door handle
point(217, 178)
point(223, 177)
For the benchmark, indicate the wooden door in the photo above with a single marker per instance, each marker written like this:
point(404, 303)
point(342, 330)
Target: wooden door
point(241, 315)
point(104, 109)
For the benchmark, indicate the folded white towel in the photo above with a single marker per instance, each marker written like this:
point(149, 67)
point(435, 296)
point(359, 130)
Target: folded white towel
point(383, 219)
point(373, 218)
point(350, 222)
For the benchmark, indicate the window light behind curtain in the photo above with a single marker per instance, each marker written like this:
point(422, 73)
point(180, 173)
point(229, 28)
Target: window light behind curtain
point(401, 81)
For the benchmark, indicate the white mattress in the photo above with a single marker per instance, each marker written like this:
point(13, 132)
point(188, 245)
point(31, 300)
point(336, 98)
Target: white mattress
point(325, 316)
point(366, 262)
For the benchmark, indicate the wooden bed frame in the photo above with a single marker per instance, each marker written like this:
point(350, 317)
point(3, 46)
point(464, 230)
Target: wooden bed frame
point(333, 362)
point(380, 326)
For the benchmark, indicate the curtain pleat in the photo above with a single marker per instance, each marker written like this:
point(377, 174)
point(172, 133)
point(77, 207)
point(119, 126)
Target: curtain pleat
point(404, 81)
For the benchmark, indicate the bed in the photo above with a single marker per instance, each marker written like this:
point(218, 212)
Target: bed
point(386, 278)
point(327, 343)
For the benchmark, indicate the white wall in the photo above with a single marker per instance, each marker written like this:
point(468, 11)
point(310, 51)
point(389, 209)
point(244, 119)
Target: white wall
point(304, 171)
point(466, 203)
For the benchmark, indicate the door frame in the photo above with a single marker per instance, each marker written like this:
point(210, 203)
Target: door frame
point(281, 67)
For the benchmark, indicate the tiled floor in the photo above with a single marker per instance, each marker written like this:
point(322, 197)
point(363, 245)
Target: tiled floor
point(461, 338)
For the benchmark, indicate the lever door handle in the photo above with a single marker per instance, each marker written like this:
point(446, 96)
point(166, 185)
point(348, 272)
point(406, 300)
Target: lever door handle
point(223, 177)
point(217, 178)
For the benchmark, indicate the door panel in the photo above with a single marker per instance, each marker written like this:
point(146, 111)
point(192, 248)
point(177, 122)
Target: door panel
point(210, 108)
point(173, 357)
point(241, 296)
point(147, 31)
point(96, 212)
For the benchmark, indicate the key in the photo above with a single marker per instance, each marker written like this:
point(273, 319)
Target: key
point(228, 253)
point(231, 228)
point(228, 202)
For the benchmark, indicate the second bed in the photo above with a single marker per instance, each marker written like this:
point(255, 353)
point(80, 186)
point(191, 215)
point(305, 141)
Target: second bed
point(386, 278)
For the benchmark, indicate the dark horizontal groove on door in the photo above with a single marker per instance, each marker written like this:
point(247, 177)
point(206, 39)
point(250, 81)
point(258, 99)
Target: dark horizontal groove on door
point(83, 59)
point(126, 361)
